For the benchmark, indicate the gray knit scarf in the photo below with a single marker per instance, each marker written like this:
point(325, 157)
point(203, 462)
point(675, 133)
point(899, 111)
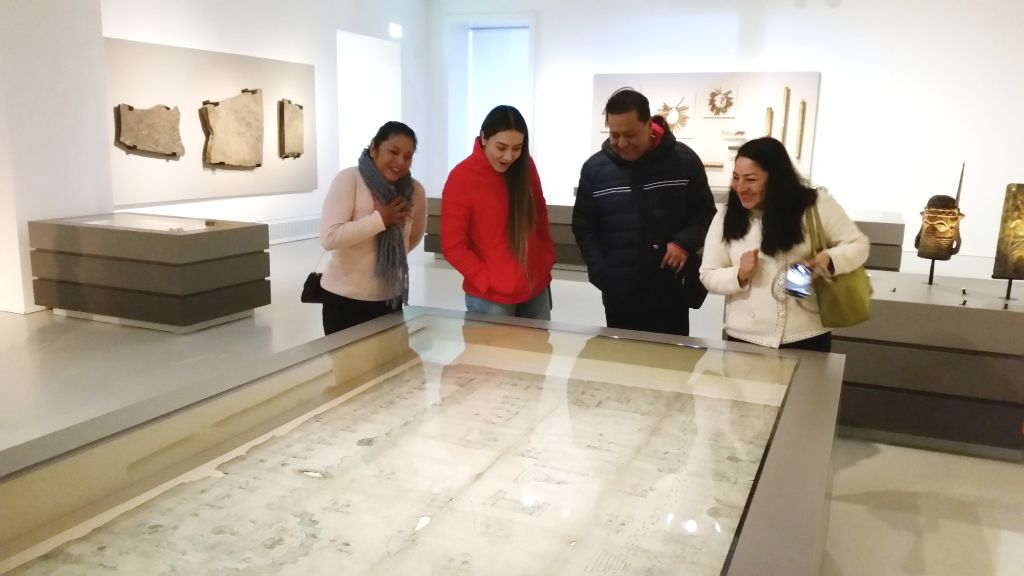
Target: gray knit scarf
point(391, 267)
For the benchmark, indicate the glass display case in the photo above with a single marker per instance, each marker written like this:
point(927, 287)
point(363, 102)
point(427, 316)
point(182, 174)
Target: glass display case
point(435, 442)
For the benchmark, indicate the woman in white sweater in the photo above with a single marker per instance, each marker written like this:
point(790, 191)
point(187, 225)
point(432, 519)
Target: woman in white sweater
point(374, 214)
point(759, 234)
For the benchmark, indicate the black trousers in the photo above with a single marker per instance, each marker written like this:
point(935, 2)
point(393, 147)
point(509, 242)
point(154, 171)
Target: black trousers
point(819, 343)
point(340, 312)
point(658, 307)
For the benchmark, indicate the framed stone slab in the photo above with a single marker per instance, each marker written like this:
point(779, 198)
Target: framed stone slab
point(154, 130)
point(289, 133)
point(234, 130)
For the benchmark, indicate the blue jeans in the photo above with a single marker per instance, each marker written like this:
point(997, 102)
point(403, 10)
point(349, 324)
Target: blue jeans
point(538, 307)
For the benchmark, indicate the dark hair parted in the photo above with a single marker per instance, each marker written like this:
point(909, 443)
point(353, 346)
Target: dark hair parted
point(522, 211)
point(625, 100)
point(389, 129)
point(786, 196)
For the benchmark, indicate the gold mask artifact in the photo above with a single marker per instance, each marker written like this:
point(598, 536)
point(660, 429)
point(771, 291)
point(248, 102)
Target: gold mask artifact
point(939, 237)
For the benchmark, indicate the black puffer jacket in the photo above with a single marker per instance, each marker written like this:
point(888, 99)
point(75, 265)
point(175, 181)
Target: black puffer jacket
point(623, 246)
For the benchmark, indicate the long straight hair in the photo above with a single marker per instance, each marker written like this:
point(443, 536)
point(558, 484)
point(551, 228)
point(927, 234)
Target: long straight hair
point(786, 196)
point(522, 212)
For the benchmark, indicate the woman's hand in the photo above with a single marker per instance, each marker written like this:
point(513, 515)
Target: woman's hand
point(820, 265)
point(748, 265)
point(394, 212)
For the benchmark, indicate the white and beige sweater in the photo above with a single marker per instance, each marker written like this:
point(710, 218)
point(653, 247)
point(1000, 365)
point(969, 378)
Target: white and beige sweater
point(349, 226)
point(761, 312)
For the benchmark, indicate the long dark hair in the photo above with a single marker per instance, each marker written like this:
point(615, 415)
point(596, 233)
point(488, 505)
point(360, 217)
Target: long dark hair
point(786, 195)
point(522, 212)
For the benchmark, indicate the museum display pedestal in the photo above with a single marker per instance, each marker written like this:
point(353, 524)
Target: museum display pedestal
point(160, 272)
point(884, 229)
point(937, 365)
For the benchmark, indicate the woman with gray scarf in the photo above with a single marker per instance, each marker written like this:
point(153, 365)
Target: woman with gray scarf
point(374, 214)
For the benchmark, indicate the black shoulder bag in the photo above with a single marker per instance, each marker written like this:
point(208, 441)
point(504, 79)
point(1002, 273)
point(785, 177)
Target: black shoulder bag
point(312, 292)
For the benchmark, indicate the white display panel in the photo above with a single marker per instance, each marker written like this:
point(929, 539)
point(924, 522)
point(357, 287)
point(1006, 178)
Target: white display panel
point(722, 110)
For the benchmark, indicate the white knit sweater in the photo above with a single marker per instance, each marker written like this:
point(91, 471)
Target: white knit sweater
point(761, 312)
point(349, 226)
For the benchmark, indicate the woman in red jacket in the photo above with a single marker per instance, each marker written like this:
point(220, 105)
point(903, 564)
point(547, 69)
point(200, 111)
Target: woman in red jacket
point(494, 222)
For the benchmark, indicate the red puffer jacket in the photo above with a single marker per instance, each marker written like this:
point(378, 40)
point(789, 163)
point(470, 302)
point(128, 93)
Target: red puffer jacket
point(474, 237)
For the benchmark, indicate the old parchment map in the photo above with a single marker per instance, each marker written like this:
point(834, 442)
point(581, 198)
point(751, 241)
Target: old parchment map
point(466, 475)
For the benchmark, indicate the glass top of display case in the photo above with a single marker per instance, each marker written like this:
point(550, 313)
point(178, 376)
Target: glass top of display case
point(145, 222)
point(443, 444)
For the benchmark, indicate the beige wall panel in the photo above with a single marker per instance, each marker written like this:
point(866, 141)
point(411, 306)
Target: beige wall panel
point(146, 74)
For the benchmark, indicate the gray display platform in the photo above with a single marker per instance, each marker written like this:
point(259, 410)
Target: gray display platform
point(940, 365)
point(161, 272)
point(884, 229)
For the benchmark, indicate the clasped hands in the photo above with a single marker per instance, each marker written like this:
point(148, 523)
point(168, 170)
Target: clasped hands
point(820, 265)
point(395, 212)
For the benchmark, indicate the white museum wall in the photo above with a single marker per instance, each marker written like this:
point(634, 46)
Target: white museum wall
point(909, 90)
point(378, 63)
point(302, 31)
point(51, 51)
point(499, 73)
point(53, 156)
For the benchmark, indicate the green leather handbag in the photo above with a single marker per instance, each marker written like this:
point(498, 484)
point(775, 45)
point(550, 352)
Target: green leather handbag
point(844, 299)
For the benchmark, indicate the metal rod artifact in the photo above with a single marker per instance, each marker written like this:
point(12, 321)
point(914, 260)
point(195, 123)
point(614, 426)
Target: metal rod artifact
point(785, 115)
point(800, 130)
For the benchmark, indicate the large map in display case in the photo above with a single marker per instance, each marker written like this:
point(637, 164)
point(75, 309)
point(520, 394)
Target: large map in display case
point(434, 443)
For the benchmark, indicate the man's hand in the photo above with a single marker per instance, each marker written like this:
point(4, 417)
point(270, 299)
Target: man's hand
point(748, 265)
point(675, 257)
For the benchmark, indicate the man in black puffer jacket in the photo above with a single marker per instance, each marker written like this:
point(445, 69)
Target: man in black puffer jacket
point(642, 210)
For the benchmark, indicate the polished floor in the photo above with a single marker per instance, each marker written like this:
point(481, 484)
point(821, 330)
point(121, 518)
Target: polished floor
point(894, 510)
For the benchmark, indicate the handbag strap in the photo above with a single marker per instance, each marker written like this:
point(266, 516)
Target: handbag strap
point(815, 230)
point(319, 260)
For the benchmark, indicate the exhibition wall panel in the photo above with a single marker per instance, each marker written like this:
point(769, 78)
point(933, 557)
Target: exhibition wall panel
point(145, 75)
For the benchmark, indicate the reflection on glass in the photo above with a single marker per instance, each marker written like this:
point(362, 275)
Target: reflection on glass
point(478, 447)
point(146, 222)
